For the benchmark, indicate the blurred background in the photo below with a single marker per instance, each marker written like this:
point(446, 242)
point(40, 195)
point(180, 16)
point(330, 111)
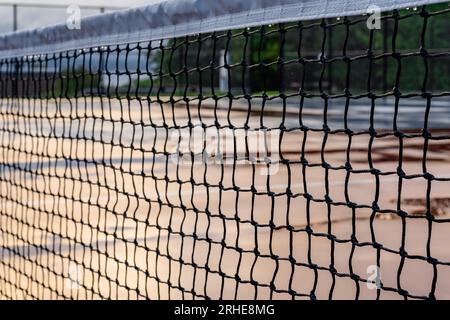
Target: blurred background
point(87, 185)
point(28, 14)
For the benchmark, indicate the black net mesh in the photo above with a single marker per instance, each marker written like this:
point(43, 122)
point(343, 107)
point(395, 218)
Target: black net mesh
point(301, 160)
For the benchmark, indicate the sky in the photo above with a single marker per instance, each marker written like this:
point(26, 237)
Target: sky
point(32, 17)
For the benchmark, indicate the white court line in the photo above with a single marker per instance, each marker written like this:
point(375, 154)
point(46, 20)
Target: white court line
point(203, 191)
point(309, 185)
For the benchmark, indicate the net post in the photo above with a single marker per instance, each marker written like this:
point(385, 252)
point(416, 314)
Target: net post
point(385, 50)
point(223, 72)
point(15, 26)
point(282, 56)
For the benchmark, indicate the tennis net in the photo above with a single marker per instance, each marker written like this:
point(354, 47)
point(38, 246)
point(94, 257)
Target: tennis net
point(303, 160)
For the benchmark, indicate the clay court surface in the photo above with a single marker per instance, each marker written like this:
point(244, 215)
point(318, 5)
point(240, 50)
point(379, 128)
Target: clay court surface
point(91, 206)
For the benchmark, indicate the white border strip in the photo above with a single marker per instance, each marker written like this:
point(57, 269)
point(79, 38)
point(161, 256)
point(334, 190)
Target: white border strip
point(178, 18)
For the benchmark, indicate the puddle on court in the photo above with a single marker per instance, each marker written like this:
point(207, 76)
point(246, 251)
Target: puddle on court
point(439, 207)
